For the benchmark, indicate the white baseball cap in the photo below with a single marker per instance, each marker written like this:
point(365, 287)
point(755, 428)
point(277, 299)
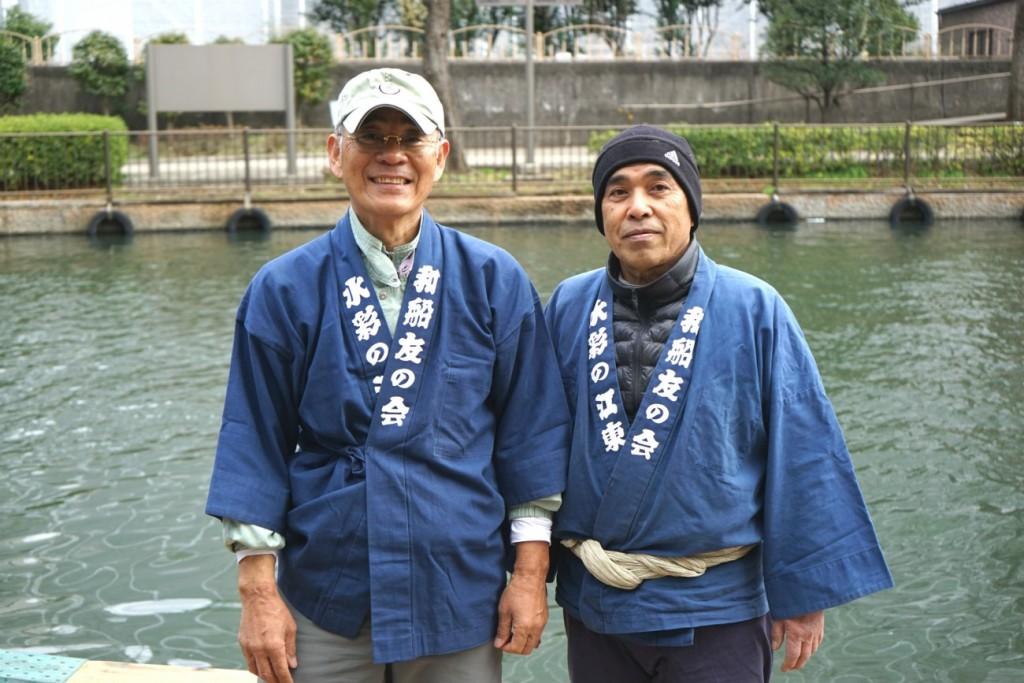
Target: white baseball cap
point(407, 92)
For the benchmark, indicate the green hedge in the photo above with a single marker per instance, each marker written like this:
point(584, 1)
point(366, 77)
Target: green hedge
point(851, 151)
point(48, 162)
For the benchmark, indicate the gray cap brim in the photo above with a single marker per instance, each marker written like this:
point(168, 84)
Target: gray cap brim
point(356, 117)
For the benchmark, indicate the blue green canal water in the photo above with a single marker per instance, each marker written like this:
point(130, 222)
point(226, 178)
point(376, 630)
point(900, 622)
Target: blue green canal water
point(113, 361)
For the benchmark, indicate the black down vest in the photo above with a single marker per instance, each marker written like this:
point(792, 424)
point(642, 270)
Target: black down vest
point(642, 321)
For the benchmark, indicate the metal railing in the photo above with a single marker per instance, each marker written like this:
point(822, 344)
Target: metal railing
point(388, 42)
point(228, 164)
point(600, 41)
point(35, 50)
point(976, 41)
point(678, 41)
point(573, 41)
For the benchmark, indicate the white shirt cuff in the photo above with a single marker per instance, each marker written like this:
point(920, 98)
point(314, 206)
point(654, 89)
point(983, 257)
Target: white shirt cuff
point(531, 529)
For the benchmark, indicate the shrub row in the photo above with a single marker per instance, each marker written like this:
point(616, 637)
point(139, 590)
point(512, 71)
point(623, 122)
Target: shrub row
point(851, 152)
point(32, 158)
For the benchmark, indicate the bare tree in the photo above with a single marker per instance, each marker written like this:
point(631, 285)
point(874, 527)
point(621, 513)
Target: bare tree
point(1015, 103)
point(435, 70)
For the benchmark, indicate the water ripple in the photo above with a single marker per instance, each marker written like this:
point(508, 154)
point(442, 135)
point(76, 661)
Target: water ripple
point(150, 607)
point(112, 376)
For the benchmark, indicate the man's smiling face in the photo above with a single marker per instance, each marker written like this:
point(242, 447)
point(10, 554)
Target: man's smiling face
point(390, 184)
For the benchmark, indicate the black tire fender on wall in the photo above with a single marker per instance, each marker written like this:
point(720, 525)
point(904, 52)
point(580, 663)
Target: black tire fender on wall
point(777, 214)
point(911, 211)
point(248, 220)
point(108, 223)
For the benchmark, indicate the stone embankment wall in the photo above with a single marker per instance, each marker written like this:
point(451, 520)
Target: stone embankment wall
point(35, 217)
point(599, 92)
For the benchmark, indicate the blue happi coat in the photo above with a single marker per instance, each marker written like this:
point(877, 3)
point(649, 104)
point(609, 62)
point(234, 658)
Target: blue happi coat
point(734, 443)
point(392, 504)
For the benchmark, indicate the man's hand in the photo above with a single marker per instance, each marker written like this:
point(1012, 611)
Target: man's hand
point(803, 636)
point(267, 631)
point(523, 609)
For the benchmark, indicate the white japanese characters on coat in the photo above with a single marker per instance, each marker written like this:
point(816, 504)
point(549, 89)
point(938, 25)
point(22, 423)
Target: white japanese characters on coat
point(417, 313)
point(366, 322)
point(355, 291)
point(642, 437)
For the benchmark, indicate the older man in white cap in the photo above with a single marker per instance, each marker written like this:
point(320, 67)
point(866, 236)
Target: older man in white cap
point(395, 433)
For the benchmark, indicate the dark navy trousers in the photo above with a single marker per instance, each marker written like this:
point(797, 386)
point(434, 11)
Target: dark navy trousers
point(724, 653)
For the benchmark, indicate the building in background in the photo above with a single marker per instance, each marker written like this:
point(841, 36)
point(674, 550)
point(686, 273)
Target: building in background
point(983, 28)
point(135, 21)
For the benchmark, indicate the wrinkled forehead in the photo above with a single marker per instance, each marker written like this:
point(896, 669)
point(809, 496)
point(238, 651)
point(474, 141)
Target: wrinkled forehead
point(387, 117)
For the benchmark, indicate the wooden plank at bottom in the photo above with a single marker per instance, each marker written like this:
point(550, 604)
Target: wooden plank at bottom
point(118, 672)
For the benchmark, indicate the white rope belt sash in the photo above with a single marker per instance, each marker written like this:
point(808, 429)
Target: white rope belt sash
point(628, 570)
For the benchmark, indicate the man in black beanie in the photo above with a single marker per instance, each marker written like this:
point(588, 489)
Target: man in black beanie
point(711, 511)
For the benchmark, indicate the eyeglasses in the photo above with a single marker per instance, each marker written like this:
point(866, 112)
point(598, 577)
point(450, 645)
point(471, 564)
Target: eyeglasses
point(369, 141)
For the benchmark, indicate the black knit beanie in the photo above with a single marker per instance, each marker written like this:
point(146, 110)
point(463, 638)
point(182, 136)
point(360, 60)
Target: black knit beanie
point(648, 144)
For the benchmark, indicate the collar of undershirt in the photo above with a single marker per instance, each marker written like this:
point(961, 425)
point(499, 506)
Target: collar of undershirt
point(672, 285)
point(381, 264)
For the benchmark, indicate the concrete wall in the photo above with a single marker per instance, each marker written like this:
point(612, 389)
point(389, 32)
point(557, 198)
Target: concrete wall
point(52, 216)
point(594, 93)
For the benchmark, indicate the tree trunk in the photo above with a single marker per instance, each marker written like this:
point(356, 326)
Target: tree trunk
point(1015, 101)
point(435, 70)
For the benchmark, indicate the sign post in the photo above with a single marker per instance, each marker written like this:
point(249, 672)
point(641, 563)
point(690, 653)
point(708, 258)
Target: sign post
point(530, 105)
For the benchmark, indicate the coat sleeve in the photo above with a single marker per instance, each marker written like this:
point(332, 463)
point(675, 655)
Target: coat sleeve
point(820, 548)
point(532, 435)
point(259, 428)
point(564, 349)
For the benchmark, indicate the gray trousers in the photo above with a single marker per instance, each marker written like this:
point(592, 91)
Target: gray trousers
point(326, 657)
